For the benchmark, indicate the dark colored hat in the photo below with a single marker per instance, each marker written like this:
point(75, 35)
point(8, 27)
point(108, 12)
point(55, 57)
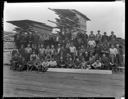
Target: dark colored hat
point(98, 31)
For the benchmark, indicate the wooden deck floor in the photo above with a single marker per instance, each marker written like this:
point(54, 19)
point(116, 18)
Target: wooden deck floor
point(53, 84)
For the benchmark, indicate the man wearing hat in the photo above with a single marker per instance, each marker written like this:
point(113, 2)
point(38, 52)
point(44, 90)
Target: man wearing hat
point(85, 38)
point(112, 38)
point(104, 37)
point(91, 35)
point(98, 37)
point(119, 56)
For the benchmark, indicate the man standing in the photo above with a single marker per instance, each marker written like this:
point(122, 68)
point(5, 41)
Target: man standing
point(113, 52)
point(22, 51)
point(119, 56)
point(112, 38)
point(104, 37)
point(92, 36)
point(28, 51)
point(72, 50)
point(98, 37)
point(42, 52)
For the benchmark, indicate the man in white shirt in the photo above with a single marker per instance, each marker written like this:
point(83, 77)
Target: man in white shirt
point(113, 52)
point(41, 52)
point(92, 43)
point(72, 50)
point(96, 64)
point(52, 63)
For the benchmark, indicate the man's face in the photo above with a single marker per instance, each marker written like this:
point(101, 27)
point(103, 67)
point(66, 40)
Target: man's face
point(28, 45)
point(112, 33)
point(42, 46)
point(104, 55)
point(22, 46)
point(97, 61)
point(52, 46)
point(105, 33)
point(112, 46)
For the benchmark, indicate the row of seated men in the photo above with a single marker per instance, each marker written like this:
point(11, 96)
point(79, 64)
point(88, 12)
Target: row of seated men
point(18, 62)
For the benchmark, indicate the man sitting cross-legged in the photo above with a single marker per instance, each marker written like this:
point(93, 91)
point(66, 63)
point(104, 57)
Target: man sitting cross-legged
point(33, 61)
point(70, 63)
point(52, 63)
point(61, 63)
point(96, 65)
point(44, 65)
point(77, 63)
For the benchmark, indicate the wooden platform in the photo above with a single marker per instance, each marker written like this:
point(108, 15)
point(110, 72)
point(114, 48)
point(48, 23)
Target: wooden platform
point(56, 84)
point(92, 71)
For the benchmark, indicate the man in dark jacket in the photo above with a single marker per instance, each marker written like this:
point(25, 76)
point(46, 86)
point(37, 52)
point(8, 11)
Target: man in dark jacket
point(105, 37)
point(105, 62)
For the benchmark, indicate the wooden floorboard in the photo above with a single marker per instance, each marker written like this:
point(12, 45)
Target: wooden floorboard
point(52, 84)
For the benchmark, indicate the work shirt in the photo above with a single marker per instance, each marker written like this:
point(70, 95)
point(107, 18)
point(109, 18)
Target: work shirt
point(72, 49)
point(92, 43)
point(98, 37)
point(28, 50)
point(42, 51)
point(92, 36)
point(52, 63)
point(113, 51)
point(96, 64)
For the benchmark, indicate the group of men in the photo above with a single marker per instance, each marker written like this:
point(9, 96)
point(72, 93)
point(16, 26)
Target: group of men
point(86, 51)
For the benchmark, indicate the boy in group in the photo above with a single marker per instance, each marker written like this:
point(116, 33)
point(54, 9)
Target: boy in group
point(22, 51)
point(91, 36)
point(14, 62)
point(70, 63)
point(96, 65)
point(44, 65)
point(113, 52)
point(53, 50)
point(28, 51)
point(72, 50)
point(52, 63)
point(20, 63)
point(91, 43)
point(68, 56)
point(42, 52)
point(77, 63)
point(98, 37)
point(61, 63)
point(119, 55)
point(33, 61)
point(105, 62)
point(105, 37)
point(83, 64)
point(92, 59)
point(112, 38)
point(82, 49)
point(86, 56)
point(35, 48)
point(47, 50)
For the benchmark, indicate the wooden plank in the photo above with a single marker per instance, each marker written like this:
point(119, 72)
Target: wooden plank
point(80, 71)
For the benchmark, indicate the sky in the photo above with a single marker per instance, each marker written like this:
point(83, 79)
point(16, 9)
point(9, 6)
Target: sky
point(105, 16)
